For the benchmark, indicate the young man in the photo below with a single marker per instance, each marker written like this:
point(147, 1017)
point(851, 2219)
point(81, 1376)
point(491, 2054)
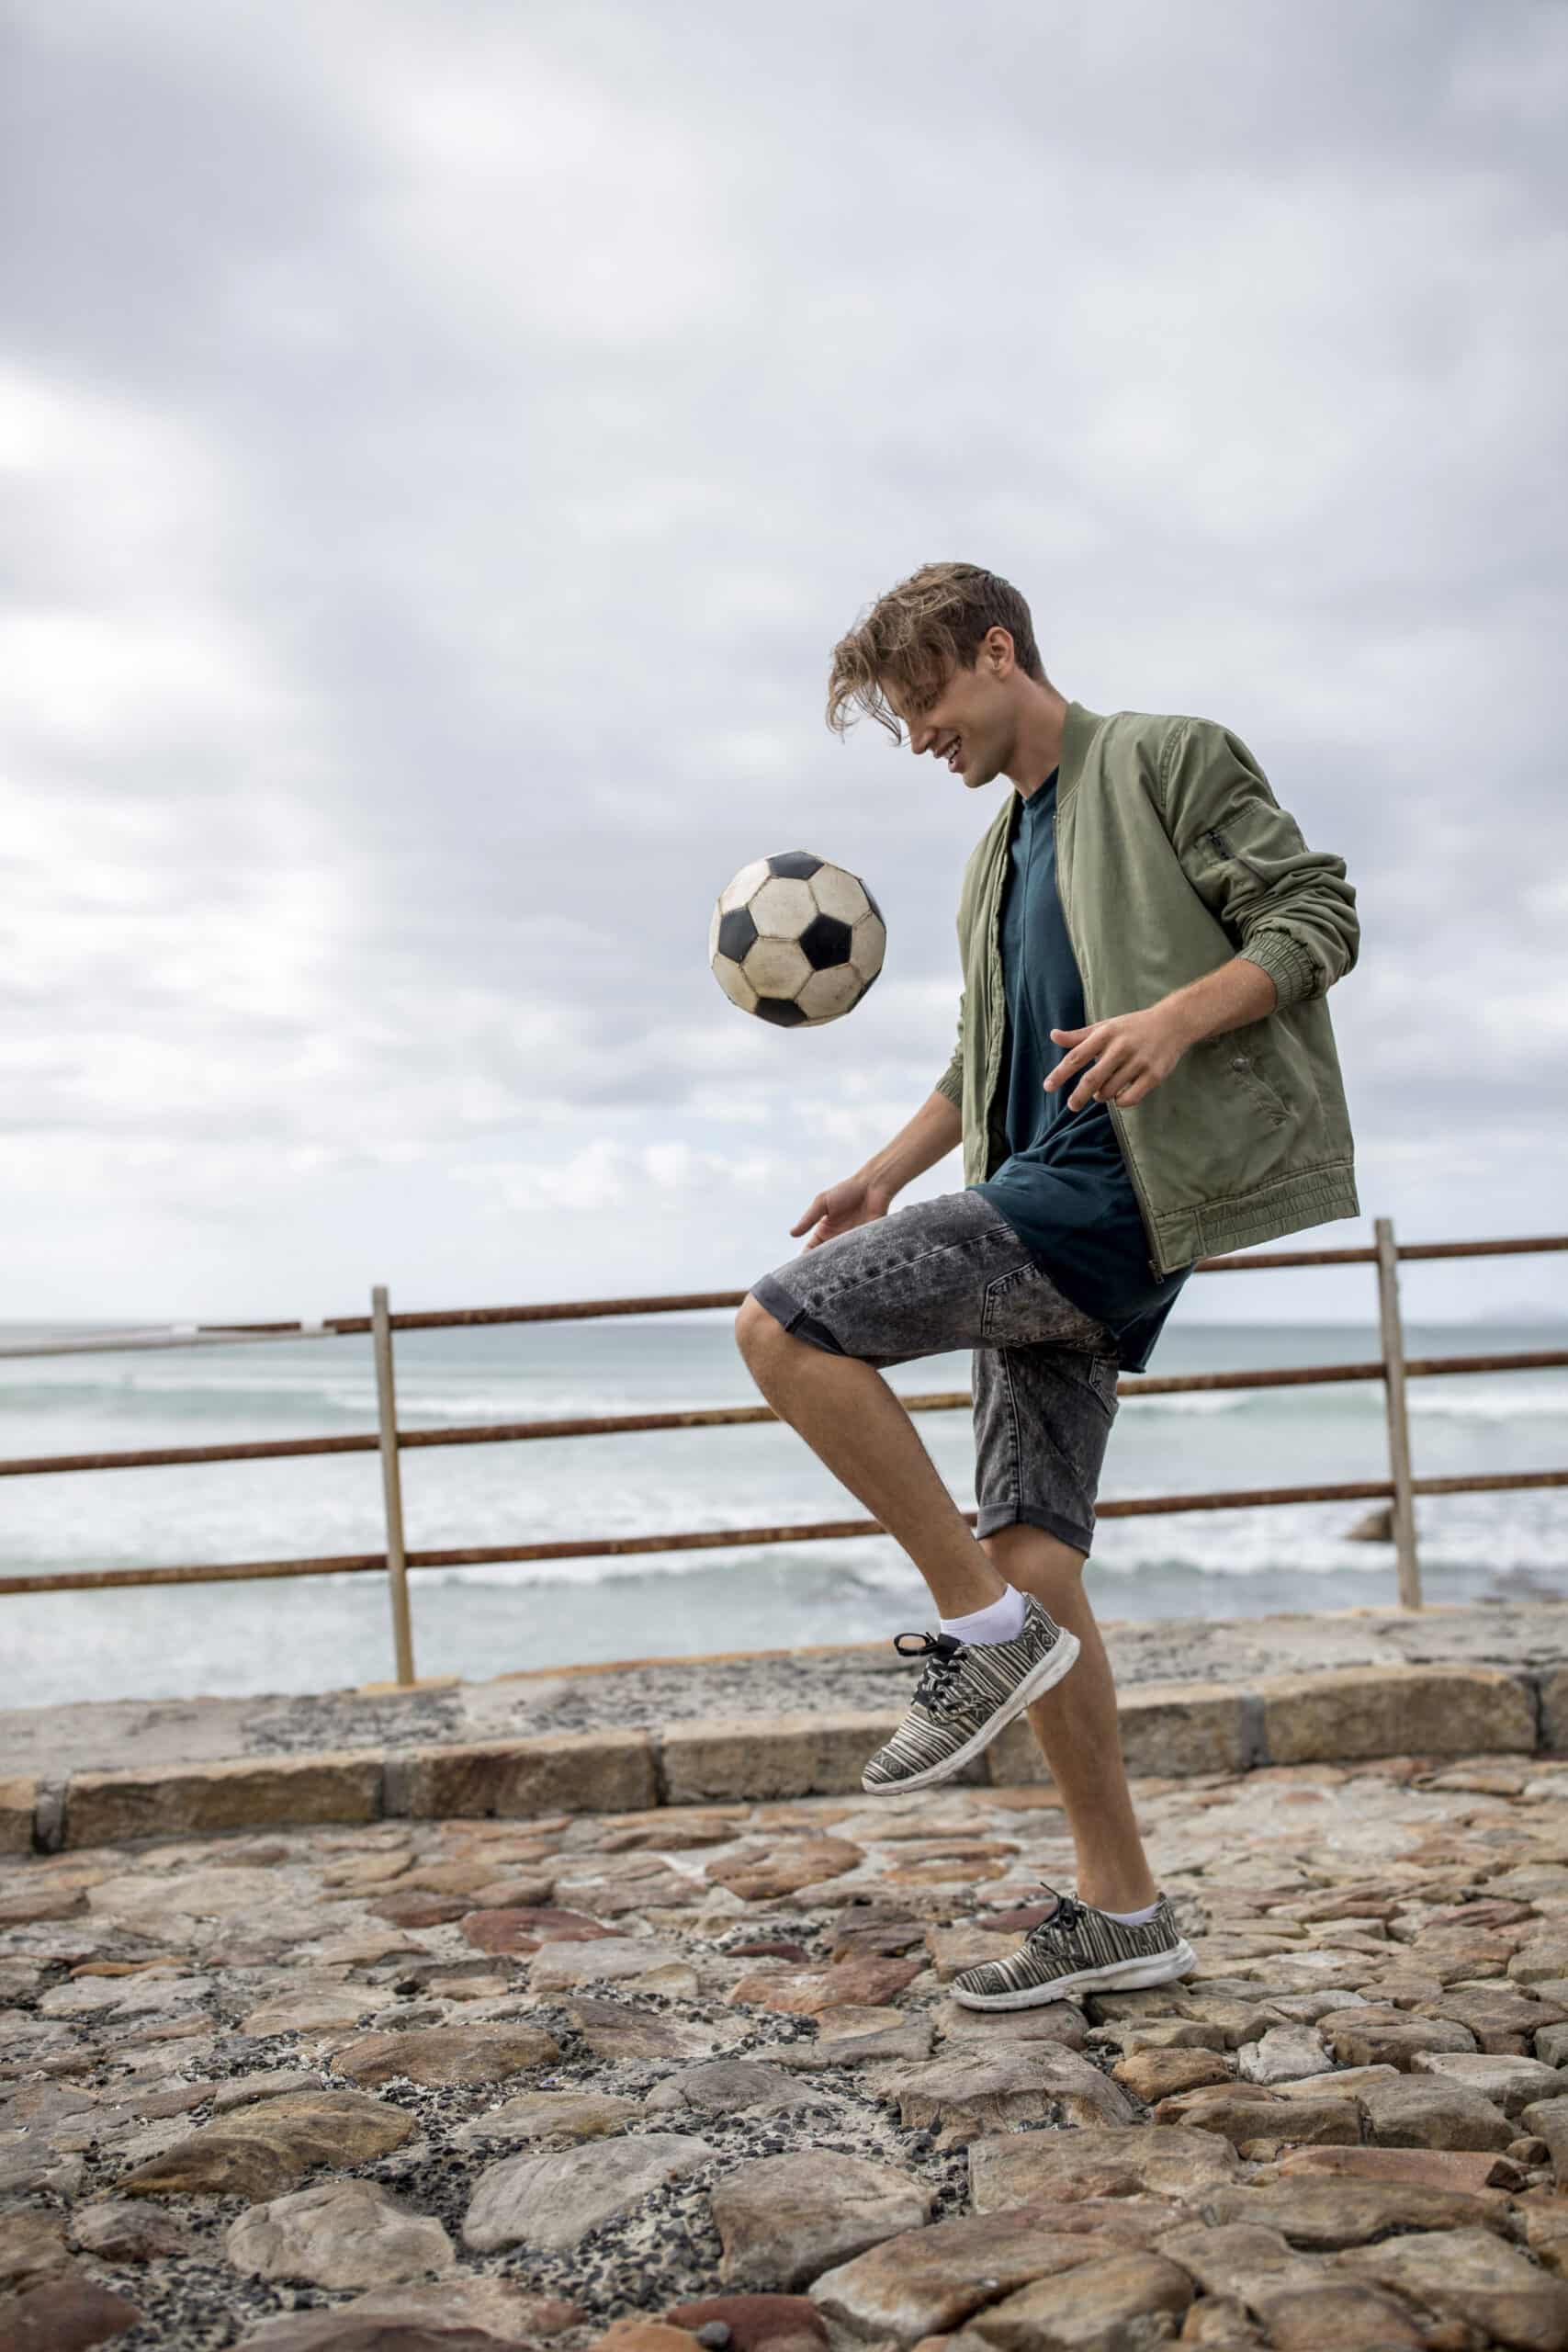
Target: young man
point(1145, 1074)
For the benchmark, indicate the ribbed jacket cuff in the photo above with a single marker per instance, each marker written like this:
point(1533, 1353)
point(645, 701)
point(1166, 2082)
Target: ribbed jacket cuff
point(1288, 964)
point(951, 1083)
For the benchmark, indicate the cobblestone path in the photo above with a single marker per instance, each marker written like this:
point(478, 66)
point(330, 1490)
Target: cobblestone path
point(692, 2076)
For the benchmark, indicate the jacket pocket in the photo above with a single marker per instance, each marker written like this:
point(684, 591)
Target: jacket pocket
point(1220, 845)
point(1243, 1072)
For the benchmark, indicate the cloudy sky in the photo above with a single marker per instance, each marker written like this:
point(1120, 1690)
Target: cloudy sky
point(442, 440)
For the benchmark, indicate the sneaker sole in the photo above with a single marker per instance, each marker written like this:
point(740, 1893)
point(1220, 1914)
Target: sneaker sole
point(1116, 1976)
point(1062, 1654)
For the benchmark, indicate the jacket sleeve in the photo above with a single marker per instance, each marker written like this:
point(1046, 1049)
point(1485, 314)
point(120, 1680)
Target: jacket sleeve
point(1286, 907)
point(951, 1083)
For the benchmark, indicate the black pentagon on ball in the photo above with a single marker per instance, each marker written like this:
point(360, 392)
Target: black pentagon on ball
point(825, 941)
point(795, 864)
point(782, 1010)
point(737, 934)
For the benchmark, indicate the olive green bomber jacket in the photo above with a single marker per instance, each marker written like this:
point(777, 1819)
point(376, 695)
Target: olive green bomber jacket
point(1172, 856)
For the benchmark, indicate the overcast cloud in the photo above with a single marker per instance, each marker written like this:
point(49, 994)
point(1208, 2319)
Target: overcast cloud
point(442, 443)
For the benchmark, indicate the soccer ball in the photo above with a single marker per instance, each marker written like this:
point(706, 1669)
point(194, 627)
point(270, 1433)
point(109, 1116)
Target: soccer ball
point(796, 940)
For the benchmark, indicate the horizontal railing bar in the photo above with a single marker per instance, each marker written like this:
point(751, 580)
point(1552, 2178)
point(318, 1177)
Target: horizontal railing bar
point(580, 1309)
point(206, 1334)
point(739, 1538)
point(164, 1457)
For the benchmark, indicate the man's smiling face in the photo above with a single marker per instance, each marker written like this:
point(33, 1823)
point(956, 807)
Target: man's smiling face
point(969, 725)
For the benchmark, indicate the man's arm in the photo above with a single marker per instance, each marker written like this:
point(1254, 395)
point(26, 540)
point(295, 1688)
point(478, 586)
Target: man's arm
point(1284, 907)
point(1238, 992)
point(951, 1083)
point(1287, 910)
point(929, 1137)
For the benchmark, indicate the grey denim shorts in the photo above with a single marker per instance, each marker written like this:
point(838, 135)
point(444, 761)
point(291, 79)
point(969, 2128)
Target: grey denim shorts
point(953, 1274)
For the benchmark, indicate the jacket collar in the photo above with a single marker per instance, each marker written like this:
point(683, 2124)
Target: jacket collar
point(1078, 731)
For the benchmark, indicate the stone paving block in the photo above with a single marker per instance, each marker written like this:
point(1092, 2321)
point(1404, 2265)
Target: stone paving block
point(789, 1756)
point(1127, 2300)
point(259, 2151)
point(339, 2233)
point(248, 1793)
point(1338, 2318)
point(1425, 2111)
point(1471, 2275)
point(785, 2219)
point(448, 2314)
point(1548, 2119)
point(1025, 2168)
point(757, 2322)
point(971, 2091)
point(552, 2202)
point(1321, 2215)
point(19, 1801)
point(1512, 2084)
point(66, 2315)
point(1369, 1710)
point(589, 1772)
point(1246, 2260)
point(928, 2281)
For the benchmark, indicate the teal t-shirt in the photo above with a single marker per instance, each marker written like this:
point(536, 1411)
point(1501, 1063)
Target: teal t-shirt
point(1064, 1188)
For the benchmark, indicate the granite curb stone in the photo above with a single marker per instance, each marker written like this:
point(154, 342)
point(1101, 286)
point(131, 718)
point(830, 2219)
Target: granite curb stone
point(247, 1793)
point(19, 1804)
point(587, 1772)
point(1358, 1712)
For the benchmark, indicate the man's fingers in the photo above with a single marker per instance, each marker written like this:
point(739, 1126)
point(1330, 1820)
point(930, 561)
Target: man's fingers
point(812, 1213)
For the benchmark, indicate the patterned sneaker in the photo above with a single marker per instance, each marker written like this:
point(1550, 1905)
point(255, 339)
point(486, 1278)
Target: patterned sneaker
point(968, 1693)
point(1076, 1949)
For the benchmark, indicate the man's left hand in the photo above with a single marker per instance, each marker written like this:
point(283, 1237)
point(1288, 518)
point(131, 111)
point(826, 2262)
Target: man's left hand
point(1119, 1060)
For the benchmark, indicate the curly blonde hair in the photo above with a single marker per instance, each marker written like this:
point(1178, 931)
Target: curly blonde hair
point(915, 636)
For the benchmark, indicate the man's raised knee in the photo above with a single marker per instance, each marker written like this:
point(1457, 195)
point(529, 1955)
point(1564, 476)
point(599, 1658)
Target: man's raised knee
point(755, 1328)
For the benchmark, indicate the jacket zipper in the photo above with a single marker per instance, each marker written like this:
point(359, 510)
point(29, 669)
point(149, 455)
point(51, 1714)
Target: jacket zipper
point(1117, 1126)
point(1223, 849)
point(994, 963)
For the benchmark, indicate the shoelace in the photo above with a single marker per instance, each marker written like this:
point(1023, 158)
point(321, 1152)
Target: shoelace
point(937, 1690)
point(1064, 1919)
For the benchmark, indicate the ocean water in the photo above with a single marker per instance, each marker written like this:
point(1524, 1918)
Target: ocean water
point(322, 1632)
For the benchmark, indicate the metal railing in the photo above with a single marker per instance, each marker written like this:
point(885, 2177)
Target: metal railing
point(1392, 1367)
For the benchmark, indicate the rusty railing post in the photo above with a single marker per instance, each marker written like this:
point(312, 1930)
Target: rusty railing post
point(391, 1483)
point(1409, 1565)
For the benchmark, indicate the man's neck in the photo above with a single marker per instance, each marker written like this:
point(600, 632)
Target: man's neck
point(1037, 753)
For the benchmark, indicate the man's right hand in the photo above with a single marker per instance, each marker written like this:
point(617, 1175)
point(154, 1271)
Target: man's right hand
point(855, 1201)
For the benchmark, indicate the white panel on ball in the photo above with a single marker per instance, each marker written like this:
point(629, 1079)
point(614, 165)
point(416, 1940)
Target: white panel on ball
point(745, 882)
point(782, 908)
point(838, 893)
point(827, 994)
point(718, 914)
point(776, 967)
point(868, 943)
point(734, 983)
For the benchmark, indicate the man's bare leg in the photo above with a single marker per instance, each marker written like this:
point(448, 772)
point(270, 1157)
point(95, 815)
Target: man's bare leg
point(1075, 1726)
point(853, 1422)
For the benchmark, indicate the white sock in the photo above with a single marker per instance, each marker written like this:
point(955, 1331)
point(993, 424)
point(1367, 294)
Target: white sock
point(1133, 1918)
point(1002, 1622)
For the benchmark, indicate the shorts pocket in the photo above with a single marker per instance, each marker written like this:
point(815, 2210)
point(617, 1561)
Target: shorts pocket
point(1006, 1318)
point(1104, 1372)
